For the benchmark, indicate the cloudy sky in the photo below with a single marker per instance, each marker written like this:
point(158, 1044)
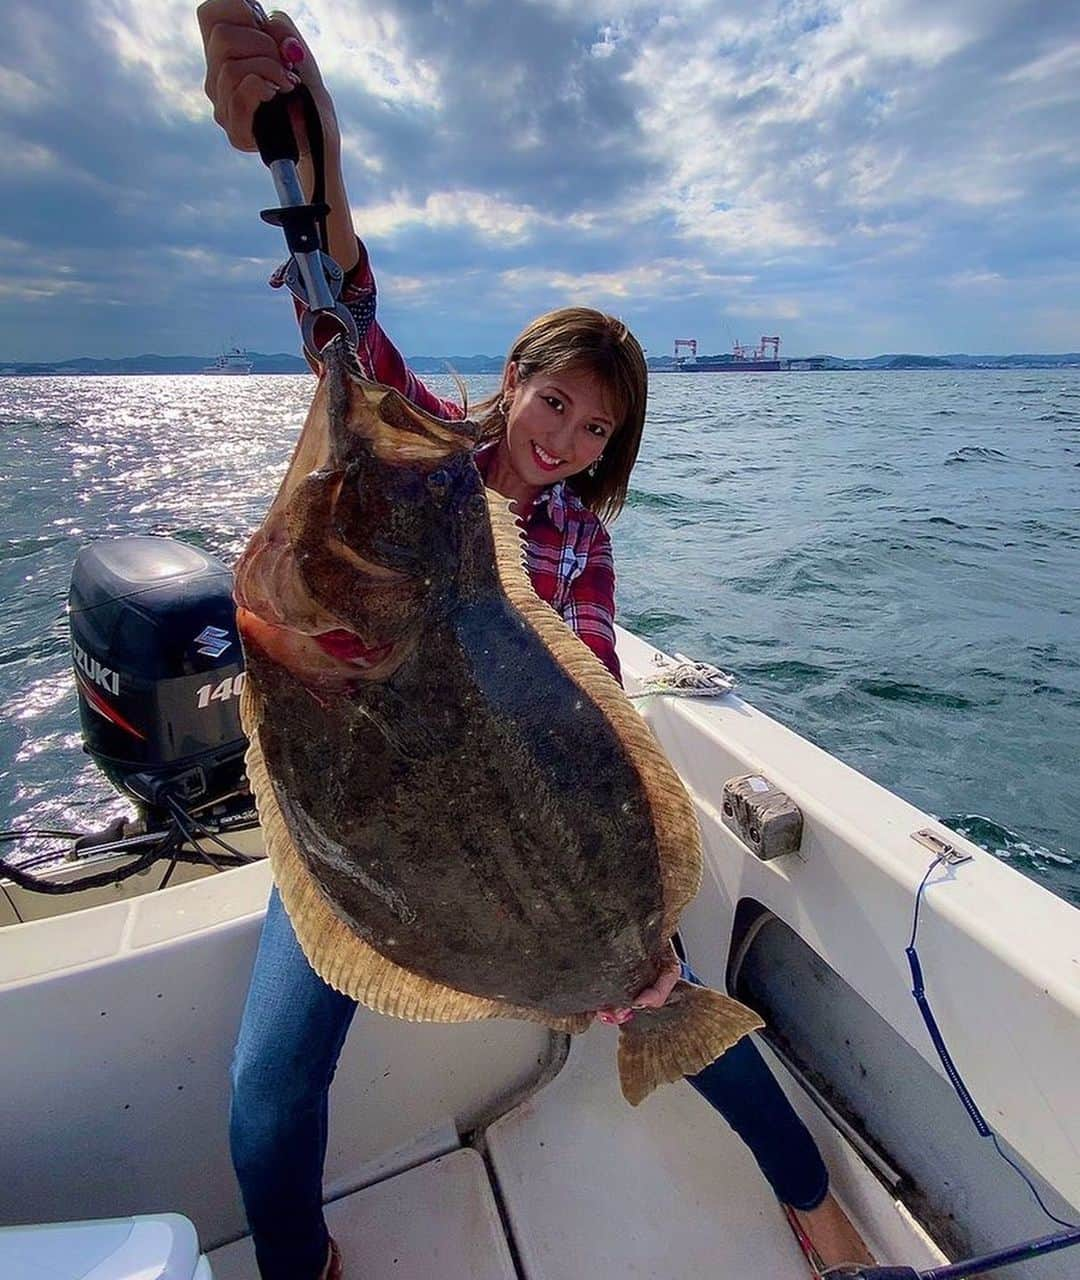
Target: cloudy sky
point(857, 176)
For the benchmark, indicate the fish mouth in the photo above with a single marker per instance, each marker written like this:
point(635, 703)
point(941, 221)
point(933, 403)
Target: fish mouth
point(326, 662)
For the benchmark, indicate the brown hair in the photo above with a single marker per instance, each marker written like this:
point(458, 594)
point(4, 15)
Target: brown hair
point(580, 339)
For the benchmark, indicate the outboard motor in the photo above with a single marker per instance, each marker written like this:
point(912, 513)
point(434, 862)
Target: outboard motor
point(159, 670)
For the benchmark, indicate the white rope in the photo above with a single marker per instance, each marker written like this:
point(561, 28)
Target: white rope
point(682, 677)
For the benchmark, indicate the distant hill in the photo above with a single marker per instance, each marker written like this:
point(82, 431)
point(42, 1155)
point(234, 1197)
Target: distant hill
point(284, 362)
point(919, 362)
point(456, 364)
point(281, 362)
point(905, 360)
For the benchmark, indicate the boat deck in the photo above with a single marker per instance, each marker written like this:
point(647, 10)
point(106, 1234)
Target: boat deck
point(439, 1219)
point(589, 1187)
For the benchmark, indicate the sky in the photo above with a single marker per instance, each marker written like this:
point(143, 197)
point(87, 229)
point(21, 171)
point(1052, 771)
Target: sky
point(857, 176)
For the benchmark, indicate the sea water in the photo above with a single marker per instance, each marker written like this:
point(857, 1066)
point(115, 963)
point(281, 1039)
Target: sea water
point(889, 563)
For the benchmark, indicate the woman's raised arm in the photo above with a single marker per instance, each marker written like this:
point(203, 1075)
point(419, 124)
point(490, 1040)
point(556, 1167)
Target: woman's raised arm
point(245, 67)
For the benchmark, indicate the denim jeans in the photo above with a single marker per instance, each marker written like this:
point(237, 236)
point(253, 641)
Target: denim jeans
point(290, 1039)
point(742, 1088)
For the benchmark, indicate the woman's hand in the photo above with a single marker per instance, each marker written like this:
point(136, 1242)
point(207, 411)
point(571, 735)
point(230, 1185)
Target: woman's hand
point(653, 997)
point(245, 68)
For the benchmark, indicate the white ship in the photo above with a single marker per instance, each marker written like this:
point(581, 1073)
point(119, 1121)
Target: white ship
point(233, 361)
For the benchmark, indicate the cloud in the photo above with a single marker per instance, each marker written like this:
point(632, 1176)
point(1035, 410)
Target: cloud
point(665, 278)
point(838, 166)
point(483, 214)
point(975, 280)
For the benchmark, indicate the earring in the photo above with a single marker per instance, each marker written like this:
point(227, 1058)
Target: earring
point(593, 468)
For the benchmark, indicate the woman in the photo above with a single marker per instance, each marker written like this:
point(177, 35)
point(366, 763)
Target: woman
point(560, 439)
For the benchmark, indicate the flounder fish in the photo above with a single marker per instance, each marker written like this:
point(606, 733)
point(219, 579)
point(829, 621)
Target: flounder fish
point(465, 815)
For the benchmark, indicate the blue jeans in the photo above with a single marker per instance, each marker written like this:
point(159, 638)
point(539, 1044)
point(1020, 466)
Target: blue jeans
point(742, 1088)
point(290, 1039)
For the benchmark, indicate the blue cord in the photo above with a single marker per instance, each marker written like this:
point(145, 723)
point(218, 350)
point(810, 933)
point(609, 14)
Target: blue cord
point(918, 990)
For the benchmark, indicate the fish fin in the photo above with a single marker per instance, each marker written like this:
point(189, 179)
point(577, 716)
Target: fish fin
point(694, 1028)
point(250, 709)
point(337, 953)
point(674, 819)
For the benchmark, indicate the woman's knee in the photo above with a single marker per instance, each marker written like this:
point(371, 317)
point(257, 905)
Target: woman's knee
point(266, 1077)
point(268, 1105)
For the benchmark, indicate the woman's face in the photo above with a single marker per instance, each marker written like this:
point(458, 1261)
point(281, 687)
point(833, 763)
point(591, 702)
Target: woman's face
point(557, 424)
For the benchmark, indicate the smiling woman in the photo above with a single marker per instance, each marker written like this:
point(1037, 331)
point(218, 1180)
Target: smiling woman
point(571, 408)
point(558, 440)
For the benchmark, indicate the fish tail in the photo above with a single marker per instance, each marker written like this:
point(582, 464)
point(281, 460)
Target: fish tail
point(692, 1030)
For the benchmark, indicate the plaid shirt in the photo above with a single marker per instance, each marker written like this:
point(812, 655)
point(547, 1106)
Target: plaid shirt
point(568, 551)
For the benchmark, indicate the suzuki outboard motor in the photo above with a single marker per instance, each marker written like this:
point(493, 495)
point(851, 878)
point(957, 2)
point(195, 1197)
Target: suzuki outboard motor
point(158, 669)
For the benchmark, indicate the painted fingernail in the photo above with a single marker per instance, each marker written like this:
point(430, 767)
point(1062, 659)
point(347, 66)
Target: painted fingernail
point(292, 50)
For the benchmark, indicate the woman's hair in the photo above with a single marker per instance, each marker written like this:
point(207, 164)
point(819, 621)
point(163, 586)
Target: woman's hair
point(581, 340)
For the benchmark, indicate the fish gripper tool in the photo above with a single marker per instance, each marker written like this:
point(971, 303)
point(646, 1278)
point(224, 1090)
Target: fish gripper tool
point(312, 275)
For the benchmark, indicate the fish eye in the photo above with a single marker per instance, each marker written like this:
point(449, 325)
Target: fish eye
point(438, 483)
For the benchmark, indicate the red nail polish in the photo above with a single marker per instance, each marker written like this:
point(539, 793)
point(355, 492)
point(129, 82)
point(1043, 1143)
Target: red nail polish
point(292, 50)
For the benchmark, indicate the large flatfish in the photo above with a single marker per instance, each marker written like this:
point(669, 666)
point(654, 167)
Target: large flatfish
point(465, 815)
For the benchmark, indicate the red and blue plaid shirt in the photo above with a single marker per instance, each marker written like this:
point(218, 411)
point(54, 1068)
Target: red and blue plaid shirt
point(568, 551)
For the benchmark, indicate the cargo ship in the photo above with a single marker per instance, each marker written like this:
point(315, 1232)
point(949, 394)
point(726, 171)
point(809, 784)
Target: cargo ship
point(764, 358)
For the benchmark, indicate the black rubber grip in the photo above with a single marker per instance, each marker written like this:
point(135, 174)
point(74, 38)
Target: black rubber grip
point(274, 132)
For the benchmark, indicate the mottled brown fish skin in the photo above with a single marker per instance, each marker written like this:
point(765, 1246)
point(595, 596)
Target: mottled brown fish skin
point(478, 828)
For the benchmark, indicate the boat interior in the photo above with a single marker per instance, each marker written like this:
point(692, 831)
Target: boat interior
point(500, 1151)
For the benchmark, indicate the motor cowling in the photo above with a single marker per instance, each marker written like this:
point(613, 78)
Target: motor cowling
point(158, 668)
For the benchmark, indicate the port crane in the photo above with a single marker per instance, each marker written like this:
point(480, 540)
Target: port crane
point(743, 352)
point(767, 349)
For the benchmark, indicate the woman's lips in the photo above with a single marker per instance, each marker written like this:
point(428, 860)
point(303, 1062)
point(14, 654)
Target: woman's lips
point(541, 459)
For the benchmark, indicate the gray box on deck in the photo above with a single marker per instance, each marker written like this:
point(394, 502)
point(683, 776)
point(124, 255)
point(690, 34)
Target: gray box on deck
point(764, 818)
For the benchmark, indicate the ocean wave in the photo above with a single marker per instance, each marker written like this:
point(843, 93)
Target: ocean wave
point(647, 500)
point(24, 548)
point(859, 491)
point(904, 691)
point(1003, 843)
point(651, 624)
point(976, 453)
point(786, 672)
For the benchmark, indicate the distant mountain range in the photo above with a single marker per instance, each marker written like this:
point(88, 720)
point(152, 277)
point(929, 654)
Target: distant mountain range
point(283, 362)
point(907, 361)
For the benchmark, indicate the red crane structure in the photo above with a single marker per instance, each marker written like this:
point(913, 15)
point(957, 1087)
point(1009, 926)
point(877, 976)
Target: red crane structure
point(764, 358)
